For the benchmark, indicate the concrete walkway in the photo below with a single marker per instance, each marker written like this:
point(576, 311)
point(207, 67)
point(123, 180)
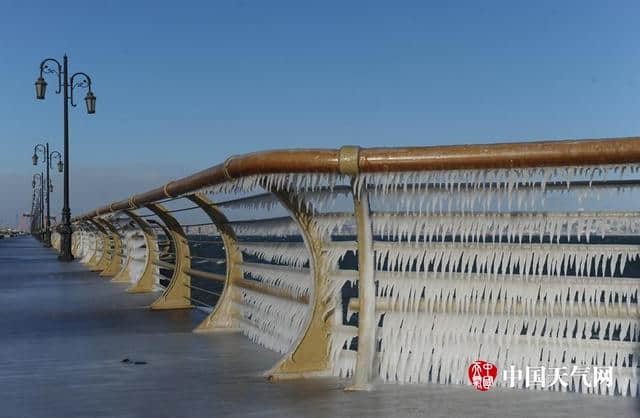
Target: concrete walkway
point(64, 332)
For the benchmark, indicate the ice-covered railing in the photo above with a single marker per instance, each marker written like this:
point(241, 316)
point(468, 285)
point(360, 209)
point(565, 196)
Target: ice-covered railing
point(400, 264)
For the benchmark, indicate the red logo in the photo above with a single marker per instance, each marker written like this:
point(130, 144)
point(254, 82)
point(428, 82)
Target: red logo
point(482, 374)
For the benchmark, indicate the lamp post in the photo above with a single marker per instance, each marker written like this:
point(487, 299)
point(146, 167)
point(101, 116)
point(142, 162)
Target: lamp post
point(48, 161)
point(66, 85)
point(40, 178)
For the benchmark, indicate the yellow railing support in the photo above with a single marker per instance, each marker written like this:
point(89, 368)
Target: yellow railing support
point(92, 237)
point(99, 260)
point(115, 259)
point(107, 240)
point(309, 356)
point(221, 319)
point(176, 295)
point(123, 275)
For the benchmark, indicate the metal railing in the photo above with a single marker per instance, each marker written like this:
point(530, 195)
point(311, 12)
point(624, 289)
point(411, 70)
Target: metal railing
point(398, 264)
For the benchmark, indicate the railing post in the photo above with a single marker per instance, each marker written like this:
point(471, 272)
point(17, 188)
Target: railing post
point(366, 294)
point(349, 162)
point(309, 356)
point(176, 295)
point(221, 319)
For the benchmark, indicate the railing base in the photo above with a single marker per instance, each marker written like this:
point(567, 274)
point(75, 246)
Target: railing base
point(366, 387)
point(281, 376)
point(163, 305)
point(220, 330)
point(139, 289)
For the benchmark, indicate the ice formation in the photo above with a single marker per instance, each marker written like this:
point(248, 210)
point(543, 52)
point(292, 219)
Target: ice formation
point(264, 201)
point(291, 182)
point(463, 276)
point(294, 280)
point(293, 254)
point(335, 224)
point(270, 321)
point(420, 348)
point(276, 227)
point(500, 258)
point(469, 264)
point(511, 227)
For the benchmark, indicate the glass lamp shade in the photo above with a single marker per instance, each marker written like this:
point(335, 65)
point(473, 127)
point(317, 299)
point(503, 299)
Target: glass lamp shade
point(41, 88)
point(60, 167)
point(90, 100)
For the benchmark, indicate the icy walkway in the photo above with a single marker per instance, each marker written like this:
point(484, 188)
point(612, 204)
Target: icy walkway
point(64, 333)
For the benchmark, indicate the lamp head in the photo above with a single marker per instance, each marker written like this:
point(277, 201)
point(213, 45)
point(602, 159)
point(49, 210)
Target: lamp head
point(90, 100)
point(41, 88)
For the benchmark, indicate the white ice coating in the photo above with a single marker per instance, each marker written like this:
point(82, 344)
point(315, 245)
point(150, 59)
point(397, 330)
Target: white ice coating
point(508, 179)
point(291, 182)
point(291, 253)
point(91, 245)
point(486, 190)
point(277, 227)
point(343, 361)
point(136, 248)
point(503, 294)
point(87, 246)
point(335, 224)
point(510, 226)
point(442, 201)
point(297, 282)
point(502, 258)
point(420, 348)
point(477, 295)
point(336, 251)
point(272, 322)
point(99, 245)
point(484, 294)
point(321, 200)
point(265, 201)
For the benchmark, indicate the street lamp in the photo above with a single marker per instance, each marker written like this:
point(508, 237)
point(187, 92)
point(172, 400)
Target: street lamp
point(48, 161)
point(90, 100)
point(41, 88)
point(40, 218)
point(66, 85)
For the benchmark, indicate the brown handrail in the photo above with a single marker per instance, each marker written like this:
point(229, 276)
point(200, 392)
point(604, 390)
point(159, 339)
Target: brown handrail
point(369, 160)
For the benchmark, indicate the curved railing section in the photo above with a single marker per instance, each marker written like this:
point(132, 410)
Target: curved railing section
point(399, 264)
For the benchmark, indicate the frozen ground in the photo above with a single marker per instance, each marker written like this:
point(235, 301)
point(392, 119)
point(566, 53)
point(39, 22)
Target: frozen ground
point(64, 333)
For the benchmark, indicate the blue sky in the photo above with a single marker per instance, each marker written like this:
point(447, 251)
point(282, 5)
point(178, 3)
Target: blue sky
point(182, 85)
